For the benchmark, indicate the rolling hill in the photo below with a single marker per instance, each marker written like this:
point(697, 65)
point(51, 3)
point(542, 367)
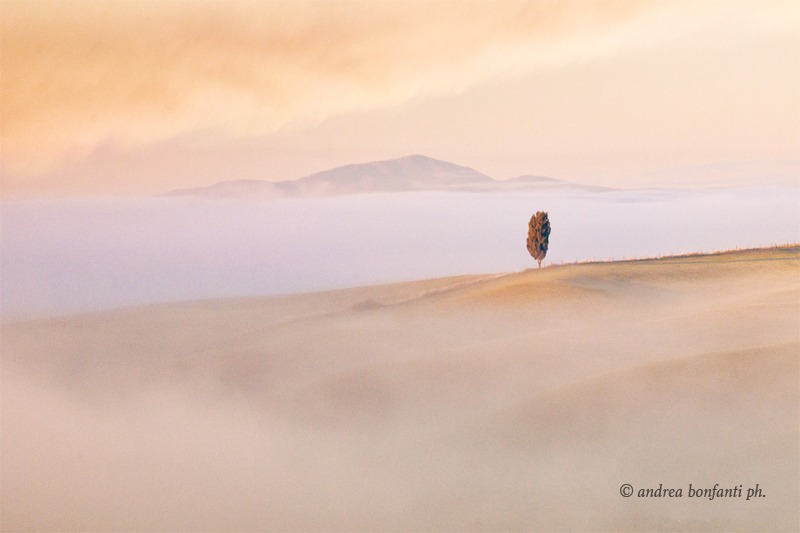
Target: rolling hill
point(411, 173)
point(517, 401)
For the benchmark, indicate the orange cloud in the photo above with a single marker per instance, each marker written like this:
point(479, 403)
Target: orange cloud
point(76, 74)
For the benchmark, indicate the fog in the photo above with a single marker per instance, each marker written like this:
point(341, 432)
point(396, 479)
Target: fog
point(517, 402)
point(60, 256)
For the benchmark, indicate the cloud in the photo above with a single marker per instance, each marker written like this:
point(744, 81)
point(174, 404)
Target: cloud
point(81, 75)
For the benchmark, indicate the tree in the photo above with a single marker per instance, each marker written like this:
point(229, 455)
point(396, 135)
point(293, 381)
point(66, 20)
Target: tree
point(538, 233)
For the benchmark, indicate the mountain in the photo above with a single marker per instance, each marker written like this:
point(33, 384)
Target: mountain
point(537, 180)
point(410, 173)
point(528, 182)
point(256, 189)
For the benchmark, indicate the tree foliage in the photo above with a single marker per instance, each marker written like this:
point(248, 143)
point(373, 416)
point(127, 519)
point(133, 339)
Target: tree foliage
point(538, 234)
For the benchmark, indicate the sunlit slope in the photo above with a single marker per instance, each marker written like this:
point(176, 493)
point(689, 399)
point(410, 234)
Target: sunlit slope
point(515, 401)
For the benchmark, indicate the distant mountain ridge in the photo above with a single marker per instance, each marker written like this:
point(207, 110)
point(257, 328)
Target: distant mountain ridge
point(410, 173)
point(415, 172)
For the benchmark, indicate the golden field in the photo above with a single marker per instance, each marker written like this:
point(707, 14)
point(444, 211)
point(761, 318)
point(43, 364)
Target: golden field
point(518, 401)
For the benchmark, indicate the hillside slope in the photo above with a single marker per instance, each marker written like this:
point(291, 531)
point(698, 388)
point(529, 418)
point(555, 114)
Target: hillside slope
point(505, 402)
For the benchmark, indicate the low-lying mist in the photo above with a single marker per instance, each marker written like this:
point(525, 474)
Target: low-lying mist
point(61, 256)
point(519, 402)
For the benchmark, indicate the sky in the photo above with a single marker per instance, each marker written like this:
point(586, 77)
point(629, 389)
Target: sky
point(138, 98)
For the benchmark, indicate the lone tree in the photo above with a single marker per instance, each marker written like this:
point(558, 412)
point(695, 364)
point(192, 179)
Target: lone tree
point(538, 233)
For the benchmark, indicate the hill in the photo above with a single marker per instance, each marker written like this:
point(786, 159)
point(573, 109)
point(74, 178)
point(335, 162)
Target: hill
point(414, 172)
point(503, 402)
point(410, 173)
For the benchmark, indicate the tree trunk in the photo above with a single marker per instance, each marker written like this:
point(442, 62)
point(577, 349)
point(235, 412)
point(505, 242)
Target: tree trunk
point(540, 262)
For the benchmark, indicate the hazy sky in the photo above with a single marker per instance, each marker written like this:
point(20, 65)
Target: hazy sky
point(142, 97)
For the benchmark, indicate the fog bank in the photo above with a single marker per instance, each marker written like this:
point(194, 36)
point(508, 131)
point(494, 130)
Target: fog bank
point(503, 403)
point(61, 256)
